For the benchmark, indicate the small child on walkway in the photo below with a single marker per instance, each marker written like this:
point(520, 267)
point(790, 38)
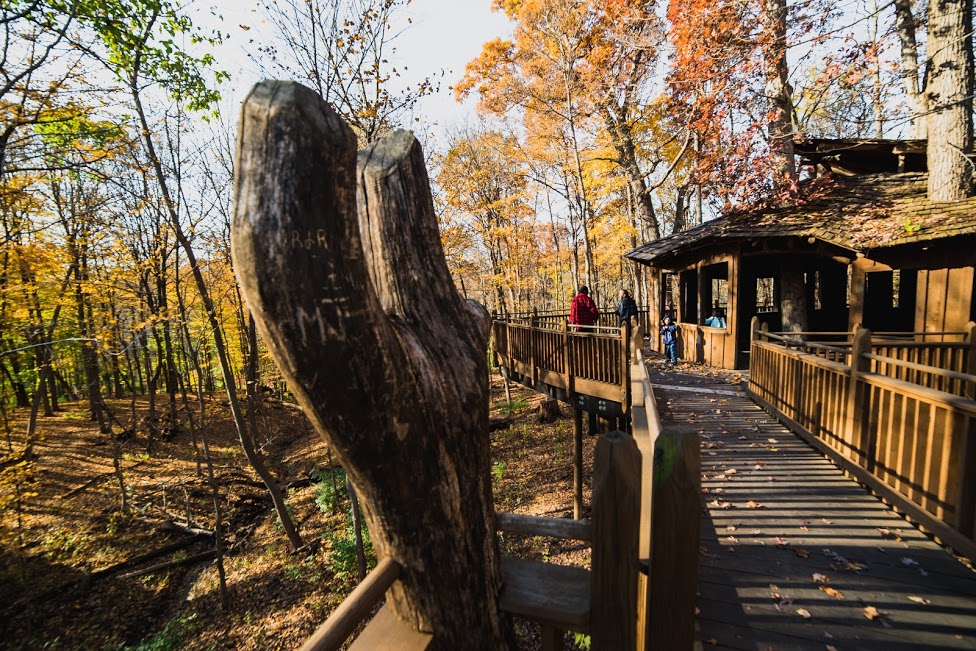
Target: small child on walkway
point(670, 339)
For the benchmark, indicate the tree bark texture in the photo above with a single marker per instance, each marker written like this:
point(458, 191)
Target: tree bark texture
point(905, 26)
point(949, 95)
point(793, 298)
point(351, 292)
point(778, 95)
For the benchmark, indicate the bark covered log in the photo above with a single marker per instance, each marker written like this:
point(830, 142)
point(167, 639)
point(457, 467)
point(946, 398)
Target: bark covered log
point(352, 295)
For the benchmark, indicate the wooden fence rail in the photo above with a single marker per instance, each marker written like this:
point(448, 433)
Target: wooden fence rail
point(910, 437)
point(593, 361)
point(926, 359)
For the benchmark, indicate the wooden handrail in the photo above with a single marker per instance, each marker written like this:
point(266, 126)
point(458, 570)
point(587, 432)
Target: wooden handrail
point(931, 370)
point(355, 608)
point(534, 525)
point(806, 344)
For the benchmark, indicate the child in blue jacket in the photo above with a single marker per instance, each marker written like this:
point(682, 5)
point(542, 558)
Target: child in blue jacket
point(670, 338)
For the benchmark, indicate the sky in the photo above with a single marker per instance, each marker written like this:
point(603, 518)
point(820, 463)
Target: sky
point(444, 35)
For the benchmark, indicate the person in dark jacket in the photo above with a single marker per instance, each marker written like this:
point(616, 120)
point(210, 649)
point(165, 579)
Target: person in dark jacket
point(626, 308)
point(583, 311)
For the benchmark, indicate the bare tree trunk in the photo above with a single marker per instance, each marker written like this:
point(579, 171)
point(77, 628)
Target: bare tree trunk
point(909, 67)
point(950, 99)
point(385, 358)
point(778, 92)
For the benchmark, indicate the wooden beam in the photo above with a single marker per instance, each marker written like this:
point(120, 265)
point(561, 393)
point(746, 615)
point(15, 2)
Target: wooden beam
point(533, 525)
point(354, 609)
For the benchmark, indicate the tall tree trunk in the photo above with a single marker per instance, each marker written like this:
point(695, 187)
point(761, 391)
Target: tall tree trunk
point(623, 142)
point(375, 299)
point(793, 298)
point(950, 99)
point(908, 69)
point(778, 93)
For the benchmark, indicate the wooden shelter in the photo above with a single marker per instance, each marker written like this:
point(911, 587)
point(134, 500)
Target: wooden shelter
point(861, 244)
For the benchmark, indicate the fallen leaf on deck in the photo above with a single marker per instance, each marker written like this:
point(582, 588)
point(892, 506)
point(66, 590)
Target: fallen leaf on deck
point(871, 612)
point(719, 504)
point(801, 552)
point(855, 567)
point(731, 471)
point(832, 592)
point(803, 612)
point(732, 539)
point(825, 521)
point(753, 504)
point(820, 578)
point(805, 528)
point(772, 440)
point(731, 527)
point(756, 532)
point(919, 600)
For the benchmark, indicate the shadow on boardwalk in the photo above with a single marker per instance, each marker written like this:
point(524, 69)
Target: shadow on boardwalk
point(794, 555)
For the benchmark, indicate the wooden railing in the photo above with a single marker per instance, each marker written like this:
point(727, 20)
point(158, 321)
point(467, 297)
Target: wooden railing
point(640, 592)
point(910, 356)
point(554, 319)
point(589, 360)
point(913, 444)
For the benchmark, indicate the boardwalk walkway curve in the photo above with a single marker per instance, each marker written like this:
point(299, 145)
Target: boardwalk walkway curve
point(794, 554)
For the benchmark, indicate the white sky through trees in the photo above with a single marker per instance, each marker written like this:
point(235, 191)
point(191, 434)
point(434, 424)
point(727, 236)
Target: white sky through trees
point(444, 35)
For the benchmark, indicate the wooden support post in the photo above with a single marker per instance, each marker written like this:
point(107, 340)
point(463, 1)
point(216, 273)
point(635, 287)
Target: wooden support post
point(568, 361)
point(577, 463)
point(533, 353)
point(625, 366)
point(616, 521)
point(754, 329)
point(857, 401)
point(970, 367)
point(674, 530)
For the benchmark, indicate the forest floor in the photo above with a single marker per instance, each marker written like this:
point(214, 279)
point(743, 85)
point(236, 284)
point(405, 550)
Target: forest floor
point(76, 572)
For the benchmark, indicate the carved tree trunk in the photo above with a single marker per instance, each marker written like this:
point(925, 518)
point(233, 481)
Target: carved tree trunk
point(384, 356)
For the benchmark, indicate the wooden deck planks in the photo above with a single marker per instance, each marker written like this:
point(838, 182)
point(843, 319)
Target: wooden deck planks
point(775, 513)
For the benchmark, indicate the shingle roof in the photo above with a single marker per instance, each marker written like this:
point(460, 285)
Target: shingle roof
point(856, 213)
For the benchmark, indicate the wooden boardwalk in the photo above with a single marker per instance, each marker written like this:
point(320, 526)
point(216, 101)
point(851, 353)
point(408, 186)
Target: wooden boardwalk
point(794, 555)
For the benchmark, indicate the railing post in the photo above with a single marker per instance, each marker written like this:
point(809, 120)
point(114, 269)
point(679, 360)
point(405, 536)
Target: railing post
point(970, 366)
point(858, 397)
point(675, 529)
point(577, 462)
point(625, 365)
point(616, 524)
point(754, 329)
point(533, 324)
point(568, 361)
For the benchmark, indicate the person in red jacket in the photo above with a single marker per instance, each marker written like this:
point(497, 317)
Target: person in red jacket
point(583, 311)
